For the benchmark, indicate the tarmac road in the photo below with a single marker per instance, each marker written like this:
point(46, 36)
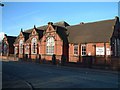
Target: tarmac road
point(34, 75)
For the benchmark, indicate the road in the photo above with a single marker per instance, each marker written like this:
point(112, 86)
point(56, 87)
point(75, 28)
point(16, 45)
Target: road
point(34, 75)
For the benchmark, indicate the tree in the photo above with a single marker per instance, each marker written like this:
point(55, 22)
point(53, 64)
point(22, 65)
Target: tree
point(54, 59)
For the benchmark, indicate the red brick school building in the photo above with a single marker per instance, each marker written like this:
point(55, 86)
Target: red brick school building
point(100, 39)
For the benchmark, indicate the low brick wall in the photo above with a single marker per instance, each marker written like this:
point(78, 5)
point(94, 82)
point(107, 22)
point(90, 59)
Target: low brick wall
point(112, 63)
point(10, 58)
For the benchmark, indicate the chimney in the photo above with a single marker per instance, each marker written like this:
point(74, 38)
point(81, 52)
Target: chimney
point(50, 23)
point(34, 27)
point(81, 23)
point(21, 30)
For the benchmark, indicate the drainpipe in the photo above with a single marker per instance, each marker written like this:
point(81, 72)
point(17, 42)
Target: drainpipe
point(94, 53)
point(105, 52)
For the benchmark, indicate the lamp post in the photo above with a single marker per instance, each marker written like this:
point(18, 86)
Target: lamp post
point(1, 4)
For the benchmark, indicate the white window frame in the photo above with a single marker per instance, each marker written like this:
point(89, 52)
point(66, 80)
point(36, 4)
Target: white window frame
point(83, 45)
point(27, 49)
point(16, 50)
point(34, 46)
point(21, 47)
point(5, 48)
point(75, 49)
point(50, 43)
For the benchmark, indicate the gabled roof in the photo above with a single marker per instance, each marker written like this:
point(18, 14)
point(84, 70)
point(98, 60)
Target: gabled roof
point(16, 40)
point(28, 31)
point(62, 24)
point(10, 39)
point(61, 31)
point(39, 32)
point(26, 35)
point(37, 28)
point(44, 27)
point(100, 31)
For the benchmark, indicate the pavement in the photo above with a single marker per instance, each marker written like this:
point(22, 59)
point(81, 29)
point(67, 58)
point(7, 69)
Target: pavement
point(33, 75)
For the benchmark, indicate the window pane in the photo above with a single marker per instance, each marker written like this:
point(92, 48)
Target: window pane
point(21, 47)
point(75, 49)
point(83, 50)
point(50, 45)
point(34, 46)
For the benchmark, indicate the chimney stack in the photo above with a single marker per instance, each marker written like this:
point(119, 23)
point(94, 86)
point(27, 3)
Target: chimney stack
point(34, 27)
point(81, 23)
point(50, 23)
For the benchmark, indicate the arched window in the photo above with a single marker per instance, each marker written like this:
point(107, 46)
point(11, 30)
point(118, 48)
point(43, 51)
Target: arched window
point(50, 45)
point(34, 46)
point(21, 47)
point(27, 50)
point(16, 50)
point(5, 49)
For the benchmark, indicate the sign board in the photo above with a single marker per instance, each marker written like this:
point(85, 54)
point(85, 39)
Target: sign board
point(100, 51)
point(108, 52)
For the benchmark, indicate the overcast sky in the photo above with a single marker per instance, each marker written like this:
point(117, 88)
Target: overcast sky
point(25, 15)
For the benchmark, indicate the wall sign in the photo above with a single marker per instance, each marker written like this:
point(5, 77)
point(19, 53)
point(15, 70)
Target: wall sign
point(100, 51)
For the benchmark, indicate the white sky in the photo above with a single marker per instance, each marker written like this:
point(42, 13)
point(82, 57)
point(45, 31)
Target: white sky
point(1, 35)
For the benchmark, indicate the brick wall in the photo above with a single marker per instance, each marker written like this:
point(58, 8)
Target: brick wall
point(90, 50)
point(58, 48)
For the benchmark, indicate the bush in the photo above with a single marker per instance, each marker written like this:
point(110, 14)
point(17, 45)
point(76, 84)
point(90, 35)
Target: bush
point(54, 59)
